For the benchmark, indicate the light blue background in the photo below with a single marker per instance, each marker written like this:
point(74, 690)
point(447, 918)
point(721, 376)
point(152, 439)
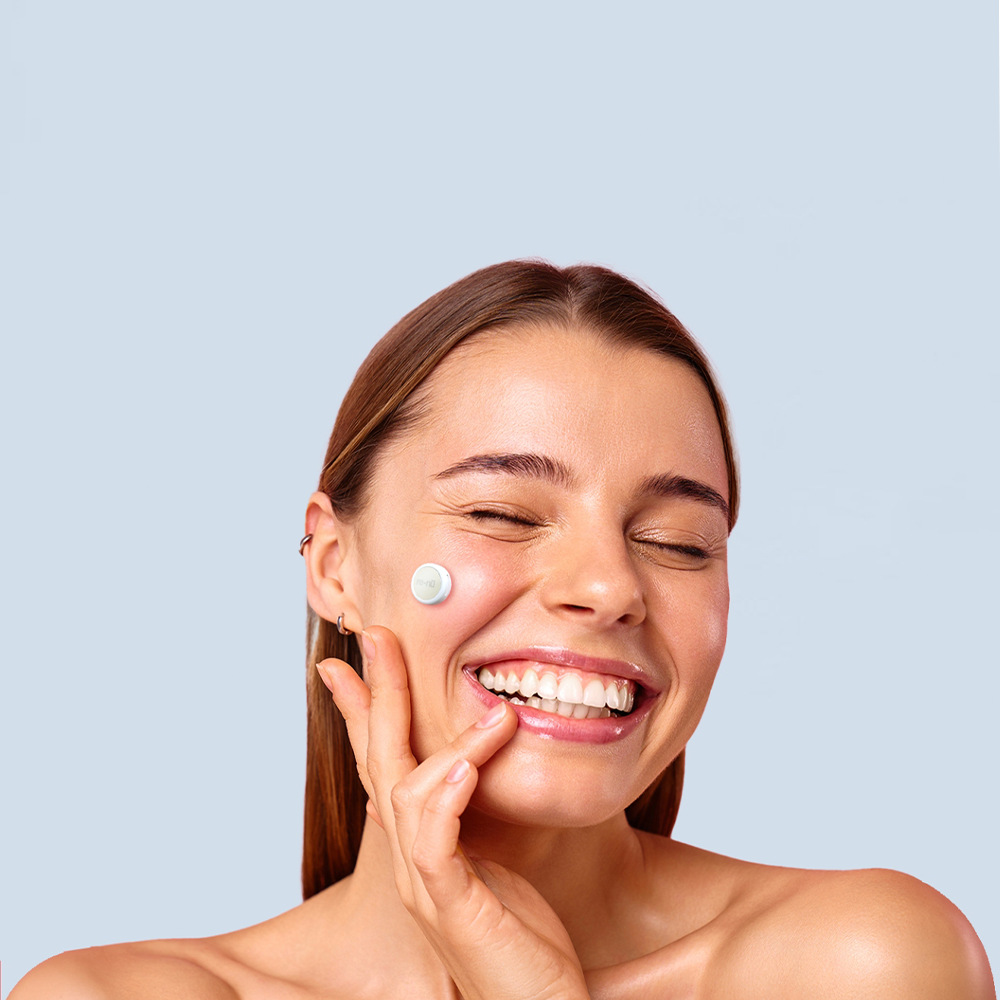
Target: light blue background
point(210, 211)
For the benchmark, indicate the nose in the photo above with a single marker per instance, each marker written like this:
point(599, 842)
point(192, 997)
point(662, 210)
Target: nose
point(592, 578)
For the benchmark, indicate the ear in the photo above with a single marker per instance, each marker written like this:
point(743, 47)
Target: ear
point(328, 555)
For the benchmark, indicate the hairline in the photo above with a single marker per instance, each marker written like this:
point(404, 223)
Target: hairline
point(415, 407)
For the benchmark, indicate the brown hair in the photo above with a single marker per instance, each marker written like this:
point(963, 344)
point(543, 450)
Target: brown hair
point(375, 407)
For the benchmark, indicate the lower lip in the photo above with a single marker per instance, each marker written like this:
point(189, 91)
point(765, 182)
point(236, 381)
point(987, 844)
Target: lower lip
point(558, 727)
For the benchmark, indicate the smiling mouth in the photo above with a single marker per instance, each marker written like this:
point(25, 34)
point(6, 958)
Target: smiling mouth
point(560, 691)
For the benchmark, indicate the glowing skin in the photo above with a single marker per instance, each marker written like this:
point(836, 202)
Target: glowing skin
point(592, 566)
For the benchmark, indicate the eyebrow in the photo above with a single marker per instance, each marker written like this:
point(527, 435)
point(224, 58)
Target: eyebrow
point(536, 466)
point(669, 486)
point(666, 485)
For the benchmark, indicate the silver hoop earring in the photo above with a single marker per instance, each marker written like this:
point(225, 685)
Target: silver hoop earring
point(302, 544)
point(340, 626)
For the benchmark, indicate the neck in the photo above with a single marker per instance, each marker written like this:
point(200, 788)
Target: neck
point(592, 877)
point(577, 870)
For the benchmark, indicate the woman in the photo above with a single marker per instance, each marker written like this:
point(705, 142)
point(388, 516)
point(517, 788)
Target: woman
point(494, 770)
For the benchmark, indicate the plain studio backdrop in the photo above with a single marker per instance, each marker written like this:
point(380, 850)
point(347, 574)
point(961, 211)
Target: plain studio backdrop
point(211, 211)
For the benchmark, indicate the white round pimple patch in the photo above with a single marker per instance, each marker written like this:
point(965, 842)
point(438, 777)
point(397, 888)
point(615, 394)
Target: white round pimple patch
point(431, 583)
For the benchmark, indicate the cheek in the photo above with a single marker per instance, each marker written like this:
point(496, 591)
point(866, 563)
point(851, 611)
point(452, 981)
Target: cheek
point(486, 578)
point(716, 621)
point(694, 620)
point(483, 583)
point(700, 643)
point(706, 608)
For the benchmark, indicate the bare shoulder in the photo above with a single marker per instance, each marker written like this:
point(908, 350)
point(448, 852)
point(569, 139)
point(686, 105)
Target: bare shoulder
point(154, 969)
point(834, 935)
point(286, 955)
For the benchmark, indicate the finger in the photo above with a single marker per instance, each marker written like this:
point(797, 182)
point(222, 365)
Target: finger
point(349, 691)
point(389, 757)
point(373, 812)
point(476, 745)
point(352, 697)
point(437, 857)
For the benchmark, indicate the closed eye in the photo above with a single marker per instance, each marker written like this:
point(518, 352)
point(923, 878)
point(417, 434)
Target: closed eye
point(688, 550)
point(484, 514)
point(690, 553)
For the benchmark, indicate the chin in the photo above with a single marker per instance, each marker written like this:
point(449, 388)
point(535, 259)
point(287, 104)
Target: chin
point(522, 795)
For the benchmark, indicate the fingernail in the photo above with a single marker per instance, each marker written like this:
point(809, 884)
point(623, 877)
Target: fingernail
point(458, 771)
point(367, 646)
point(493, 716)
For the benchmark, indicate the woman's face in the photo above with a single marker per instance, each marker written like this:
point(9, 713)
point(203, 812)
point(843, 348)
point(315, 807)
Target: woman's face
point(575, 490)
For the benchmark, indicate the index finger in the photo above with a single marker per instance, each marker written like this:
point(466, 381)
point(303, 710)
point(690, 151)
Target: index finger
point(389, 758)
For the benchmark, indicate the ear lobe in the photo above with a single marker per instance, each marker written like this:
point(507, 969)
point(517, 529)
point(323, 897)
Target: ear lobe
point(327, 588)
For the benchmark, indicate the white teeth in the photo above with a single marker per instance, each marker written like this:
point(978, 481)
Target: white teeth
point(566, 697)
point(611, 695)
point(548, 686)
point(570, 689)
point(529, 683)
point(593, 694)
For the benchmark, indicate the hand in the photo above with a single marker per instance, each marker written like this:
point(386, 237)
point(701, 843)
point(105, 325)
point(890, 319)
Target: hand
point(495, 934)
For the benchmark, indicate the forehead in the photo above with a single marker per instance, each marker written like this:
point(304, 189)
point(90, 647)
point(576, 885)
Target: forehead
point(599, 406)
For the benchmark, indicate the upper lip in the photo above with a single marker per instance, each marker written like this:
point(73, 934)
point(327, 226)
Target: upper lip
point(568, 658)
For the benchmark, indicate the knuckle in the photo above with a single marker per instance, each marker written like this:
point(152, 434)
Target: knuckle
point(373, 767)
point(403, 797)
point(438, 807)
point(424, 858)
